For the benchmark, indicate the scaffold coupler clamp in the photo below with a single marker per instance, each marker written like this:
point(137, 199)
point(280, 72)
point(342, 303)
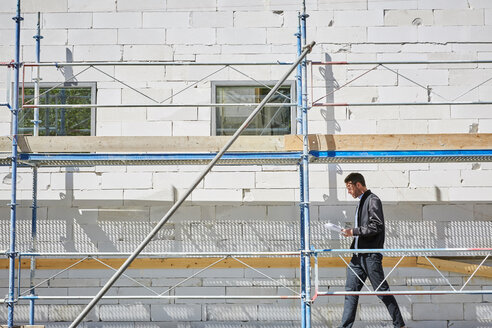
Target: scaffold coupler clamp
point(308, 301)
point(307, 251)
point(309, 46)
point(303, 15)
point(18, 18)
point(304, 204)
point(12, 254)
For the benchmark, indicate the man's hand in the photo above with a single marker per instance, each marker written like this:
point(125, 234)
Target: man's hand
point(347, 232)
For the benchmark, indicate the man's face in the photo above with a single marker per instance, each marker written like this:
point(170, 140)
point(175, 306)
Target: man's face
point(354, 189)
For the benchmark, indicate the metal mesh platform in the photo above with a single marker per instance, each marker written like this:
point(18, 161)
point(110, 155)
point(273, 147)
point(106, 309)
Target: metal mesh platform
point(258, 158)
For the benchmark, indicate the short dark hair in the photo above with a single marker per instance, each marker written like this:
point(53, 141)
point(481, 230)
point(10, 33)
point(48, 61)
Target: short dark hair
point(354, 178)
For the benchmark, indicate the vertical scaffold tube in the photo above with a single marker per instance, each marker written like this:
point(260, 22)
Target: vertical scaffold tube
point(13, 199)
point(185, 195)
point(33, 241)
point(299, 79)
point(301, 178)
point(37, 79)
point(304, 186)
point(32, 292)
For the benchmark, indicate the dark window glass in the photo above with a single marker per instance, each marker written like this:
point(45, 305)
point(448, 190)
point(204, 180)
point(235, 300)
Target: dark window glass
point(58, 121)
point(270, 121)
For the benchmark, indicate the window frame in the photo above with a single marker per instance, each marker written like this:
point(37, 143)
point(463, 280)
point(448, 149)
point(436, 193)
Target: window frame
point(91, 85)
point(215, 84)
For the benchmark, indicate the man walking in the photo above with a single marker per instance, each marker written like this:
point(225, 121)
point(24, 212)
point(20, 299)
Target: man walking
point(368, 233)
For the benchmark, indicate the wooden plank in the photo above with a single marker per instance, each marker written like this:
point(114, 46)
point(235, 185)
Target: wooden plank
point(455, 266)
point(163, 144)
point(195, 263)
point(391, 142)
point(141, 144)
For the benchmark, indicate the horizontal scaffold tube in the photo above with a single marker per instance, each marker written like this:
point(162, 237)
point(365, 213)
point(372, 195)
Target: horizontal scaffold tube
point(67, 106)
point(164, 63)
point(164, 254)
point(214, 297)
point(241, 254)
point(443, 103)
point(407, 292)
point(404, 250)
point(152, 63)
point(395, 62)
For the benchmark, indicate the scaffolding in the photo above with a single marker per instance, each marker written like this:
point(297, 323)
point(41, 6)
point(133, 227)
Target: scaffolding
point(302, 157)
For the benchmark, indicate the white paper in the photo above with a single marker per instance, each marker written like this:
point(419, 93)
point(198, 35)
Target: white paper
point(333, 227)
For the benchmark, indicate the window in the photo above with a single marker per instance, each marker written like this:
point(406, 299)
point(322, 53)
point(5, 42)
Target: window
point(60, 121)
point(270, 121)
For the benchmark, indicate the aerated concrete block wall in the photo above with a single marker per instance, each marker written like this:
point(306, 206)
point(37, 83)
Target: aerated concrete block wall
point(254, 208)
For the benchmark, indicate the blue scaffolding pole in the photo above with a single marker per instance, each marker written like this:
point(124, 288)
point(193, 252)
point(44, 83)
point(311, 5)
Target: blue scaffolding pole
point(32, 291)
point(304, 187)
point(15, 111)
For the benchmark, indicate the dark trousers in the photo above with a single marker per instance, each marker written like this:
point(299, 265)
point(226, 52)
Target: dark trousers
point(368, 265)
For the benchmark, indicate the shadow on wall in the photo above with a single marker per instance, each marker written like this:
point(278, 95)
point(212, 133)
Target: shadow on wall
point(67, 71)
point(332, 127)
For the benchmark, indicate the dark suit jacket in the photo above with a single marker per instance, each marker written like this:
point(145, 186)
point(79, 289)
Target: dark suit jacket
point(370, 219)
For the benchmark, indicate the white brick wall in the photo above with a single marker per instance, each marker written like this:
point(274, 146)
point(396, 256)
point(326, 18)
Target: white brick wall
point(442, 4)
point(241, 35)
point(35, 6)
point(166, 19)
point(191, 128)
point(106, 201)
point(273, 180)
point(408, 17)
point(190, 36)
point(126, 180)
point(141, 36)
point(459, 17)
point(101, 52)
point(428, 179)
point(139, 74)
point(453, 34)
point(341, 34)
point(190, 5)
point(92, 36)
point(392, 34)
point(117, 20)
point(392, 4)
point(257, 19)
point(147, 52)
point(358, 18)
point(448, 311)
point(230, 180)
point(342, 4)
point(91, 5)
point(67, 20)
point(128, 5)
point(451, 126)
point(212, 19)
